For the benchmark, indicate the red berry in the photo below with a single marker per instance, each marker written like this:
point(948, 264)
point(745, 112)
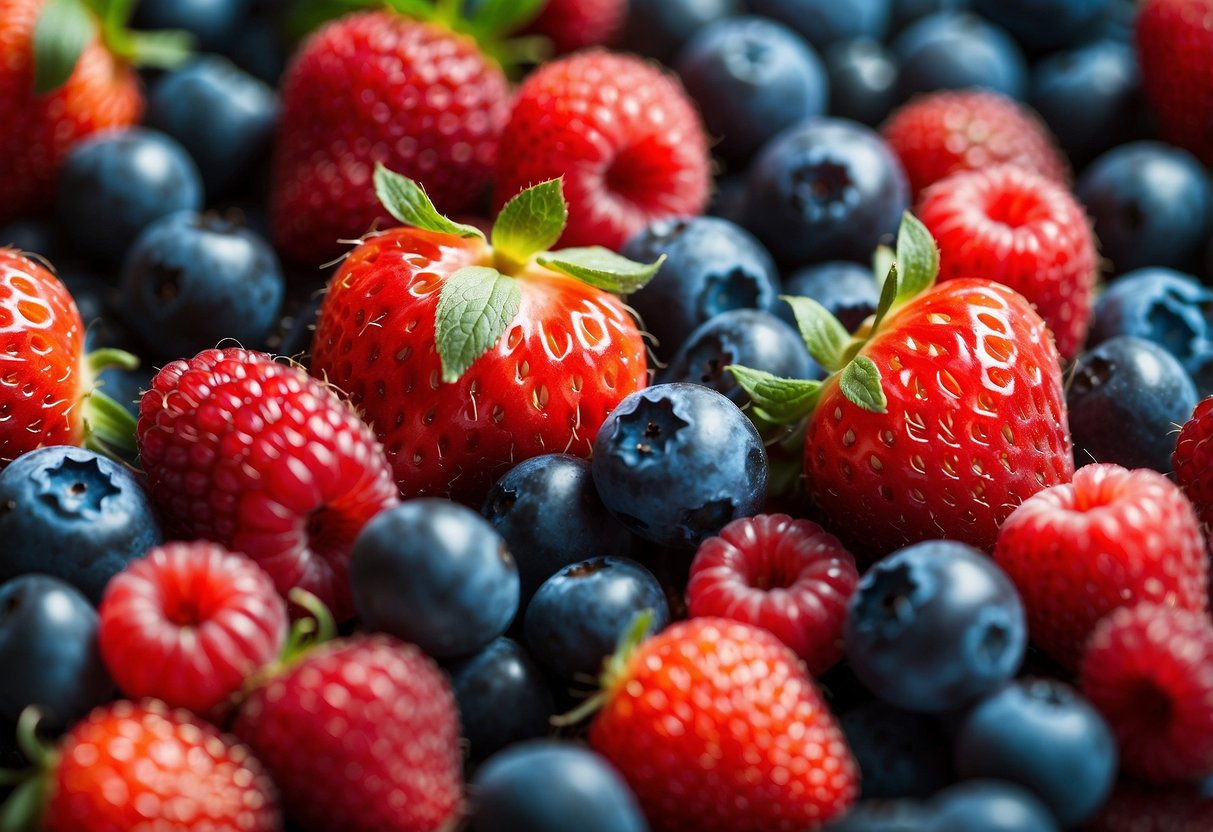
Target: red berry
point(1193, 460)
point(1138, 807)
point(787, 576)
point(188, 623)
point(1175, 51)
point(576, 24)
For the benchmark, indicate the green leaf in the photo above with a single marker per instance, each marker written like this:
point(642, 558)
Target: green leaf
point(860, 383)
point(776, 399)
point(888, 295)
point(601, 268)
point(63, 30)
point(495, 18)
point(917, 258)
point(882, 260)
point(408, 202)
point(531, 222)
point(163, 49)
point(825, 337)
point(476, 305)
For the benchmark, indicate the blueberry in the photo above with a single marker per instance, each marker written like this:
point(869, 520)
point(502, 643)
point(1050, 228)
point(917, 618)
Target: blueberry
point(48, 649)
point(711, 266)
point(126, 387)
point(73, 514)
point(1040, 734)
point(847, 290)
point(298, 329)
point(1067, 20)
point(212, 22)
point(751, 78)
point(828, 189)
point(94, 296)
point(884, 816)
point(1150, 203)
point(899, 754)
point(578, 616)
point(259, 48)
point(436, 574)
point(503, 698)
point(863, 80)
point(935, 626)
point(223, 116)
point(727, 197)
point(660, 28)
point(905, 12)
point(36, 236)
point(552, 786)
point(955, 50)
point(991, 806)
point(116, 183)
point(823, 22)
point(676, 462)
point(1126, 397)
point(1170, 308)
point(190, 281)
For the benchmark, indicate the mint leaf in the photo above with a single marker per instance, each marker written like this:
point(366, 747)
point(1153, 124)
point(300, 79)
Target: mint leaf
point(476, 305)
point(601, 268)
point(531, 222)
point(917, 258)
point(407, 201)
point(860, 383)
point(825, 337)
point(63, 30)
point(776, 399)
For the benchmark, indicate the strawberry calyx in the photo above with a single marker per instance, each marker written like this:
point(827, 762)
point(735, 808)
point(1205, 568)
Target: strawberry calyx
point(316, 627)
point(22, 811)
point(109, 428)
point(614, 669)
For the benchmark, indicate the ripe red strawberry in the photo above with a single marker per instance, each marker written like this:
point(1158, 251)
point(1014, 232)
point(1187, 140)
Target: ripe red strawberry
point(1193, 460)
point(360, 735)
point(576, 24)
point(787, 576)
point(1175, 51)
point(526, 360)
point(624, 135)
point(1021, 229)
point(1138, 807)
point(380, 87)
point(944, 132)
point(188, 624)
point(715, 725)
point(257, 455)
point(1149, 670)
point(1111, 538)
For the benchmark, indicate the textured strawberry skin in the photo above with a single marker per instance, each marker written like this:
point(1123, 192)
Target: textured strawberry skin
point(570, 355)
point(715, 725)
point(378, 87)
point(1193, 460)
point(1175, 50)
point(262, 458)
point(361, 736)
point(976, 423)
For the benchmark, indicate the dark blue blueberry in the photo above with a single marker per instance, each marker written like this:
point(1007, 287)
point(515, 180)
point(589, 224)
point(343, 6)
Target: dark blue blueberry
point(223, 116)
point(1117, 22)
point(677, 462)
point(848, 290)
point(711, 266)
point(436, 574)
point(259, 48)
point(751, 78)
point(503, 698)
point(935, 626)
point(552, 786)
point(884, 816)
point(954, 50)
point(127, 386)
point(116, 183)
point(189, 281)
point(900, 754)
point(297, 330)
point(1172, 309)
point(1044, 24)
point(1150, 203)
point(828, 189)
point(32, 235)
point(94, 296)
point(660, 28)
point(1125, 398)
point(73, 514)
point(48, 649)
point(1040, 734)
point(212, 22)
point(905, 12)
point(578, 616)
point(823, 22)
point(863, 80)
point(727, 197)
point(991, 806)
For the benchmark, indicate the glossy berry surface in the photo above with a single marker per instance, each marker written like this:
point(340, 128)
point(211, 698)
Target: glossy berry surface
point(1191, 460)
point(212, 22)
point(847, 290)
point(862, 80)
point(822, 22)
point(900, 754)
point(1068, 20)
point(955, 50)
point(660, 28)
point(989, 805)
point(1174, 45)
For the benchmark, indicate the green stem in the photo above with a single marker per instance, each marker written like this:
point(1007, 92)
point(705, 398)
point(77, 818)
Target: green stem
point(614, 667)
point(107, 358)
point(108, 426)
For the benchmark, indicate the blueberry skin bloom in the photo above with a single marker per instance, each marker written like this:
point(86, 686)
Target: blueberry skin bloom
point(73, 514)
point(436, 574)
point(935, 626)
point(826, 189)
point(676, 462)
point(991, 806)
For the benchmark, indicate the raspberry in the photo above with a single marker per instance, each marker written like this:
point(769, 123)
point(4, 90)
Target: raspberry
point(1193, 460)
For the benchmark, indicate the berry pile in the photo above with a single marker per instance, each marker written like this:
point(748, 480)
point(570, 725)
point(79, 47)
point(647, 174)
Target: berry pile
point(606, 415)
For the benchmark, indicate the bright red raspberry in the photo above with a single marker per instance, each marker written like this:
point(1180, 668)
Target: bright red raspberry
point(1175, 51)
point(1193, 460)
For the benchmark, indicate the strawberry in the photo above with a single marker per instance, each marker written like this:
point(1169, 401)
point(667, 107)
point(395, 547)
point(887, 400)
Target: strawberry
point(576, 24)
point(466, 358)
point(1175, 50)
point(260, 457)
point(1193, 460)
point(1023, 230)
point(188, 623)
point(1111, 538)
point(939, 416)
point(624, 135)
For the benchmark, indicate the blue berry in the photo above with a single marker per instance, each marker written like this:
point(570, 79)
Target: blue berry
point(552, 786)
point(33, 235)
point(955, 50)
point(905, 12)
point(828, 189)
point(259, 48)
point(212, 22)
point(1125, 398)
point(884, 816)
point(935, 626)
point(823, 22)
point(549, 513)
point(298, 330)
point(1044, 24)
point(577, 617)
point(991, 806)
point(503, 698)
point(751, 78)
point(436, 574)
point(73, 514)
point(677, 462)
point(847, 290)
point(863, 80)
point(115, 184)
point(1040, 734)
point(899, 754)
point(660, 28)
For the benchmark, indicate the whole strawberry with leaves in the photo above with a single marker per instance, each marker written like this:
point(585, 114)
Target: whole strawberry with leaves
point(467, 358)
point(939, 416)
